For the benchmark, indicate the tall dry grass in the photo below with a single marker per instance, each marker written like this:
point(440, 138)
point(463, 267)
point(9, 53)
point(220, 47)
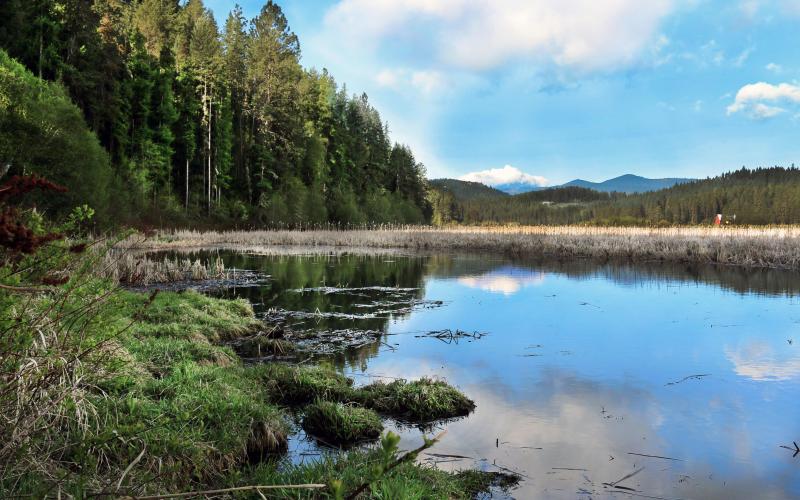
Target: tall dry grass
point(128, 268)
point(772, 247)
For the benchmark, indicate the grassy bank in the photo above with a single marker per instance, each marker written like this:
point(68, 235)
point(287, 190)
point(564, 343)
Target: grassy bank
point(777, 247)
point(125, 393)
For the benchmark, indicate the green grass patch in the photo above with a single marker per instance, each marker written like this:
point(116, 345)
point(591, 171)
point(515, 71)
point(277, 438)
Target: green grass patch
point(341, 424)
point(188, 315)
point(407, 481)
point(418, 401)
point(297, 385)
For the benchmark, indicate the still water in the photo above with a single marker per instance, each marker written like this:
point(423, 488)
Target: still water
point(586, 373)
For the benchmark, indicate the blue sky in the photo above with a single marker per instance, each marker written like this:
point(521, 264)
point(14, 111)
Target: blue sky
point(561, 89)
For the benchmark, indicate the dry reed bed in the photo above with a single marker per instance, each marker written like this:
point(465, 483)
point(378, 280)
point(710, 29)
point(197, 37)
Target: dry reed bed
point(771, 247)
point(131, 269)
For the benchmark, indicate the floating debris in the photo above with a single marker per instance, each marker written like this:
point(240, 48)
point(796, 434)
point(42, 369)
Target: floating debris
point(796, 449)
point(449, 336)
point(332, 341)
point(328, 290)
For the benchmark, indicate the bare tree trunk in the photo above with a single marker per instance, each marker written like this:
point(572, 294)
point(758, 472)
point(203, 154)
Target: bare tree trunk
point(186, 199)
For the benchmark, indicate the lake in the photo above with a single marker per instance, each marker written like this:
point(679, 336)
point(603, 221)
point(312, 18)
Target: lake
point(686, 377)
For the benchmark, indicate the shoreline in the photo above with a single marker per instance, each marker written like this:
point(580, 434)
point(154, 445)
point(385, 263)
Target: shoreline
point(772, 247)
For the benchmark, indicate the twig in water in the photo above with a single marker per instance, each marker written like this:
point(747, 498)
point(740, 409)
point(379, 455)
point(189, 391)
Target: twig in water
point(615, 483)
point(655, 456)
point(690, 377)
point(796, 448)
point(443, 455)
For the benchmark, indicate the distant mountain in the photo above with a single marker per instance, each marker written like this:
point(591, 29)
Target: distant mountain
point(629, 183)
point(466, 190)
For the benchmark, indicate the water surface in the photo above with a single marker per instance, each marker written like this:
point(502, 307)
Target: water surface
point(583, 370)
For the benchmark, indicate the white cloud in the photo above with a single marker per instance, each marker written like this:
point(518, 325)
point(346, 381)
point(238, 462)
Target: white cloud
point(388, 78)
point(763, 111)
point(426, 82)
point(584, 35)
point(775, 68)
point(505, 175)
point(752, 98)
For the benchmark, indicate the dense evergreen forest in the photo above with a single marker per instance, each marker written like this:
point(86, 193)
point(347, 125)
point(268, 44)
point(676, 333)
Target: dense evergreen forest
point(758, 196)
point(150, 113)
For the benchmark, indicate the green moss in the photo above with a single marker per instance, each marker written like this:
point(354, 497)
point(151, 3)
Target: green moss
point(418, 401)
point(295, 385)
point(341, 424)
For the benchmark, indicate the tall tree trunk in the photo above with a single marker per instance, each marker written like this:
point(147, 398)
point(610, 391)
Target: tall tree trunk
point(186, 198)
point(206, 148)
point(208, 197)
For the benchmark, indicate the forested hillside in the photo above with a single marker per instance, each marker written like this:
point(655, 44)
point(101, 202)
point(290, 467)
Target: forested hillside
point(193, 121)
point(465, 190)
point(759, 196)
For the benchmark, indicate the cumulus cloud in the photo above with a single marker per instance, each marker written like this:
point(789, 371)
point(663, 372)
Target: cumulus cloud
point(753, 98)
point(580, 34)
point(505, 175)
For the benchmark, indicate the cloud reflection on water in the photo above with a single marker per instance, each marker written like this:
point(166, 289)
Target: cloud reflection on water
point(507, 281)
point(761, 360)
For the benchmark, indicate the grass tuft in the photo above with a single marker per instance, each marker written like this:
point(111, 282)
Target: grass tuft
point(340, 424)
point(297, 385)
point(418, 401)
point(261, 346)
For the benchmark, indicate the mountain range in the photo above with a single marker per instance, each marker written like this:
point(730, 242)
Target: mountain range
point(627, 183)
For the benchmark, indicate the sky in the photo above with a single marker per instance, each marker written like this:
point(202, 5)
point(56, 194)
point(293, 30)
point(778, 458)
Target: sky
point(546, 91)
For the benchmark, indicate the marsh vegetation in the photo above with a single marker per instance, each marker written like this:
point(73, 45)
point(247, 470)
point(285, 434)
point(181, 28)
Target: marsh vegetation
point(771, 247)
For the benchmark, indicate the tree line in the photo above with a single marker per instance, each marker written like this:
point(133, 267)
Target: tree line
point(193, 120)
point(746, 196)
